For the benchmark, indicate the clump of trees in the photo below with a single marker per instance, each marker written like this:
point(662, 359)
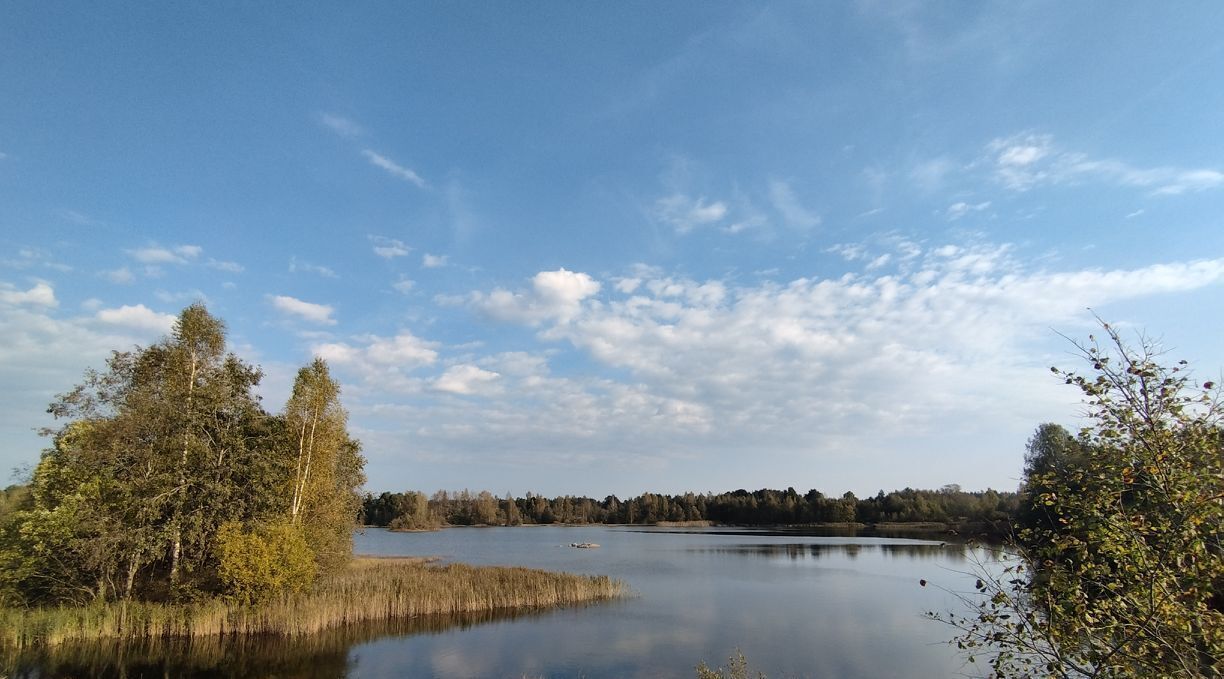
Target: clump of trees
point(1121, 534)
point(167, 480)
point(412, 510)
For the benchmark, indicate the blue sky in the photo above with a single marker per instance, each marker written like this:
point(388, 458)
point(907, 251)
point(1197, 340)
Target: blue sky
point(601, 248)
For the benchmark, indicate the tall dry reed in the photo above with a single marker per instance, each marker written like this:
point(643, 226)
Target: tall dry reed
point(369, 590)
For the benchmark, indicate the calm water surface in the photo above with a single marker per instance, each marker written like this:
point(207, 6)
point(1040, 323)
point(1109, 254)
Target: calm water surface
point(796, 605)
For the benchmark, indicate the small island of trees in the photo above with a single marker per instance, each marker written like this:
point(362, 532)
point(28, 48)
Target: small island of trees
point(171, 503)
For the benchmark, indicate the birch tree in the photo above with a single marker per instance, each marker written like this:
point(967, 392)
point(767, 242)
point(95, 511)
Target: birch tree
point(326, 466)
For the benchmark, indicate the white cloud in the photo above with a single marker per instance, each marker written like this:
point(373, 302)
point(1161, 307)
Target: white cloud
point(383, 364)
point(554, 295)
point(309, 311)
point(805, 364)
point(138, 317)
point(154, 254)
point(434, 261)
point(880, 261)
point(794, 214)
point(393, 168)
point(931, 175)
point(466, 379)
point(341, 125)
point(306, 267)
point(404, 285)
point(120, 276)
point(41, 294)
point(1026, 160)
point(389, 248)
point(957, 210)
point(685, 213)
point(230, 267)
point(184, 297)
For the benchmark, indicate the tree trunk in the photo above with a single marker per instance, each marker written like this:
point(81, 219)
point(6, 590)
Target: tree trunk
point(177, 550)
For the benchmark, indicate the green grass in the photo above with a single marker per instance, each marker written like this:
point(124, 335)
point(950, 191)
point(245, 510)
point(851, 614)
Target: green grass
point(369, 590)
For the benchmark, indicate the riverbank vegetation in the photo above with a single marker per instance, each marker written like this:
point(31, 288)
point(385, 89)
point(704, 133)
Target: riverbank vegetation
point(170, 504)
point(1120, 540)
point(989, 511)
point(364, 591)
point(167, 481)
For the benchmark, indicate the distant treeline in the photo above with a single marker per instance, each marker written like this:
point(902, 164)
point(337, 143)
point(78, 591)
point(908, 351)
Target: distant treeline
point(414, 510)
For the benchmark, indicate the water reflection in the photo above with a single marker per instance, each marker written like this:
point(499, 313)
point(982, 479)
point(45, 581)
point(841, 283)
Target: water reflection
point(944, 551)
point(317, 656)
point(844, 606)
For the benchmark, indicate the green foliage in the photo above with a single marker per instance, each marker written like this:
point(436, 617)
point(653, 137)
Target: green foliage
point(986, 511)
point(327, 467)
point(258, 564)
point(1122, 563)
point(156, 454)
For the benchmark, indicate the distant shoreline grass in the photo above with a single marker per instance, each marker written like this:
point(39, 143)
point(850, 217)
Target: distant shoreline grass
point(368, 590)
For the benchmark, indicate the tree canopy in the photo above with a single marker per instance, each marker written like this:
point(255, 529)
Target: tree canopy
point(1121, 536)
point(163, 462)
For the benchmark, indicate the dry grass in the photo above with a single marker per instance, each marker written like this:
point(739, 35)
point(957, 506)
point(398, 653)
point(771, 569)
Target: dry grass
point(369, 590)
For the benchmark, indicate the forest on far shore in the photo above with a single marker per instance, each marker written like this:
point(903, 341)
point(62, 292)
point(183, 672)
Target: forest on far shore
point(413, 510)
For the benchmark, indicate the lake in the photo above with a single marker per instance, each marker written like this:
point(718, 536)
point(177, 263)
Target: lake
point(796, 605)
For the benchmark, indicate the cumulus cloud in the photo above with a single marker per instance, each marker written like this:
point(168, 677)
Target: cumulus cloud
point(309, 311)
point(41, 294)
point(554, 295)
point(466, 380)
point(139, 317)
point(393, 168)
point(434, 261)
point(816, 362)
point(383, 363)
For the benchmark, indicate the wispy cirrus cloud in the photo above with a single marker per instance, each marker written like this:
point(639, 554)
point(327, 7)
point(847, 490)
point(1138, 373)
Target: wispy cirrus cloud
point(1026, 160)
point(393, 168)
point(226, 266)
point(960, 209)
point(794, 214)
point(686, 213)
point(296, 265)
point(345, 127)
point(154, 254)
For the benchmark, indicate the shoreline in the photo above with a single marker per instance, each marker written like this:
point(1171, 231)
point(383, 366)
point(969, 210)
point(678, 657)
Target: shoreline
point(950, 527)
point(368, 590)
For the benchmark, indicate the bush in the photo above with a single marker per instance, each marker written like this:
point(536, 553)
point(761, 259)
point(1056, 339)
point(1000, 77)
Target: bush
point(263, 562)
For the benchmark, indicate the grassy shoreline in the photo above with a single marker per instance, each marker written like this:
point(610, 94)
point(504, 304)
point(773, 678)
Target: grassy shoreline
point(368, 590)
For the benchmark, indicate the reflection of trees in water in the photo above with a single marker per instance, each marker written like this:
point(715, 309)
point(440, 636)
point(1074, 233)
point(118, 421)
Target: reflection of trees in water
point(316, 656)
point(948, 551)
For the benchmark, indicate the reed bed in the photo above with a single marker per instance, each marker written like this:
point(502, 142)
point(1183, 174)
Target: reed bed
point(368, 590)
